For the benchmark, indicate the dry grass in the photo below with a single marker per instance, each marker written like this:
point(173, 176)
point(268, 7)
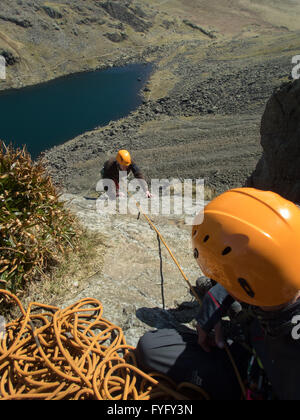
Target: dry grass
point(35, 228)
point(209, 193)
point(160, 84)
point(45, 254)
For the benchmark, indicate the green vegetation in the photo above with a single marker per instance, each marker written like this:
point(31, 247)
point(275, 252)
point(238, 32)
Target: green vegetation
point(69, 276)
point(35, 228)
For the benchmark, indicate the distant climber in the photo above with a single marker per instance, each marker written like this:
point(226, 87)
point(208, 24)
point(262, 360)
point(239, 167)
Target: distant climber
point(123, 163)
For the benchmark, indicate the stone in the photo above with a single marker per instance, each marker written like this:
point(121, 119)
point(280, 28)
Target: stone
point(52, 12)
point(129, 284)
point(125, 15)
point(116, 37)
point(278, 169)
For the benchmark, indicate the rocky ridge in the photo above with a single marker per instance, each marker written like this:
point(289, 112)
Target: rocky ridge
point(279, 167)
point(52, 39)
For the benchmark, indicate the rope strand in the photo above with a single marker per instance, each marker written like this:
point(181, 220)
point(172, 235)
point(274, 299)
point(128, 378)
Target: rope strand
point(72, 354)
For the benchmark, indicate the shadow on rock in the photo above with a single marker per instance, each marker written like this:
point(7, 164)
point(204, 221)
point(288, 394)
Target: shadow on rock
point(172, 318)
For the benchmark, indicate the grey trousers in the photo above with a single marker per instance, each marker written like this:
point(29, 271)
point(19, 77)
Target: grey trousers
point(179, 356)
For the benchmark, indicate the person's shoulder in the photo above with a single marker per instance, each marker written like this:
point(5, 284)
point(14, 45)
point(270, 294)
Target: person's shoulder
point(111, 161)
point(134, 164)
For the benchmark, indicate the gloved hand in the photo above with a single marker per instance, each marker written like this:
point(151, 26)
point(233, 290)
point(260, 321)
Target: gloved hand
point(120, 194)
point(148, 194)
point(207, 342)
point(215, 305)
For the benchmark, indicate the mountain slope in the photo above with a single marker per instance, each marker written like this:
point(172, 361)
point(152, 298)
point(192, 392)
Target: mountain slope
point(44, 40)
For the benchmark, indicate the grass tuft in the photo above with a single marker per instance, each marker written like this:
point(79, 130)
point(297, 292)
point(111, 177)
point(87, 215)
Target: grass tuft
point(35, 228)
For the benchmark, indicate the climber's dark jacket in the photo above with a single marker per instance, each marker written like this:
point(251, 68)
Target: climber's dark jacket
point(112, 168)
point(273, 335)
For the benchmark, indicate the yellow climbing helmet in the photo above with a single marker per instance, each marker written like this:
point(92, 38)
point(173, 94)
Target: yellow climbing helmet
point(124, 158)
point(249, 241)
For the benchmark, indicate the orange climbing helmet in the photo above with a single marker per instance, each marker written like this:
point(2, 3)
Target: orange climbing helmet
point(124, 158)
point(249, 241)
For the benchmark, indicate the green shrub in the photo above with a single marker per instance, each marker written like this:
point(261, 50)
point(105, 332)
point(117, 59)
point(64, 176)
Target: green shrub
point(35, 228)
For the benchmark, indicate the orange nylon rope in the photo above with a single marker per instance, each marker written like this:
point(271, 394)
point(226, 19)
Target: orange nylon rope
point(171, 254)
point(75, 354)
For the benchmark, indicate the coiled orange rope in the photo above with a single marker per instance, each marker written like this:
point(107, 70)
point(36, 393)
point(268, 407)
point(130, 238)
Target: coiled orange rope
point(74, 354)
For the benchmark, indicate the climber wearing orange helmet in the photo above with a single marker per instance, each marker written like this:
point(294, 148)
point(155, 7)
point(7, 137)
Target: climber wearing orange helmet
point(122, 162)
point(248, 241)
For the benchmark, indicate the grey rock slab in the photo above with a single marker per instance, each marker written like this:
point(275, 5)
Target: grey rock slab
point(129, 285)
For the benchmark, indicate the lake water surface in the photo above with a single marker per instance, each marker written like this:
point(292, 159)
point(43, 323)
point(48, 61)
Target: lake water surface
point(51, 113)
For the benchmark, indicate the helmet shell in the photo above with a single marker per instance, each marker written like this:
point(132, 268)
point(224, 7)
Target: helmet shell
point(249, 241)
point(123, 158)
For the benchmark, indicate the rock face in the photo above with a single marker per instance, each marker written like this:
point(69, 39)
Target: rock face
point(129, 285)
point(9, 56)
point(116, 37)
point(52, 12)
point(123, 13)
point(279, 167)
point(24, 23)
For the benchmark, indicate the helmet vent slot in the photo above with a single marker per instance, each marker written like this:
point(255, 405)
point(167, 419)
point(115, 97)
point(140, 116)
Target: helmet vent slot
point(206, 238)
point(226, 250)
point(246, 286)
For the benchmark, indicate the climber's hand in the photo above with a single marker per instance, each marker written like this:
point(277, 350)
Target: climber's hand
point(206, 342)
point(120, 194)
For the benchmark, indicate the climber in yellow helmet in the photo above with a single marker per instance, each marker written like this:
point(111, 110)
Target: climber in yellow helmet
point(122, 162)
point(248, 241)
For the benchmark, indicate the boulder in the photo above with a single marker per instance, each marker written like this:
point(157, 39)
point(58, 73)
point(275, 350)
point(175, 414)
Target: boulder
point(10, 57)
point(116, 37)
point(122, 12)
point(52, 12)
point(24, 23)
point(279, 167)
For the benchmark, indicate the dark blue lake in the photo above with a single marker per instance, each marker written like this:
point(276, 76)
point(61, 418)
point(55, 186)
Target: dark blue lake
point(51, 113)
